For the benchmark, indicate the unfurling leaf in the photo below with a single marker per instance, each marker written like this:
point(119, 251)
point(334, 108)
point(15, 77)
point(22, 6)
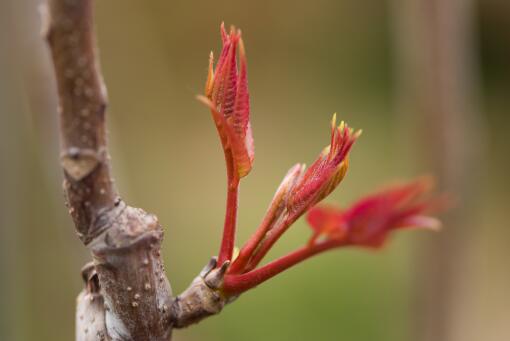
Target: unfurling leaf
point(369, 221)
point(227, 95)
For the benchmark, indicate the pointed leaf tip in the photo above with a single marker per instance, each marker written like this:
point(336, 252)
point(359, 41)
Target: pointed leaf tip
point(341, 127)
point(242, 51)
point(224, 35)
point(333, 121)
point(210, 77)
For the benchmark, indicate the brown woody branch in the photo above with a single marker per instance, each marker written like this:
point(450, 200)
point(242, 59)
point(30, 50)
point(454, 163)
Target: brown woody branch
point(127, 295)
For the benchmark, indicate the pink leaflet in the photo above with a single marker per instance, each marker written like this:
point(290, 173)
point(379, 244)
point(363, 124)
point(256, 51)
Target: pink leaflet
point(369, 221)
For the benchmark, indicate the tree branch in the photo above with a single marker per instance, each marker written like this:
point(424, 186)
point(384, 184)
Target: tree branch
point(124, 241)
point(90, 192)
point(127, 295)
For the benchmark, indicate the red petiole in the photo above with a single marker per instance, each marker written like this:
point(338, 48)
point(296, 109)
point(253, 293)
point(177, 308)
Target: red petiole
point(235, 284)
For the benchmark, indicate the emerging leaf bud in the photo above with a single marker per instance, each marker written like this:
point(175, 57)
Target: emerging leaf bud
point(226, 94)
point(324, 175)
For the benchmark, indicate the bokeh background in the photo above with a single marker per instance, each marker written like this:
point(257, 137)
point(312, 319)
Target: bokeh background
point(427, 80)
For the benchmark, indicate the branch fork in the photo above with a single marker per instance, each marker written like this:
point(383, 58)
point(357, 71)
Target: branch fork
point(203, 297)
point(127, 295)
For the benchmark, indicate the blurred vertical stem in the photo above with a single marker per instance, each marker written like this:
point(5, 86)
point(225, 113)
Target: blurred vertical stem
point(437, 76)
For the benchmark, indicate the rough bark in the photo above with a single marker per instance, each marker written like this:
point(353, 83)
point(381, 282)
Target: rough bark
point(127, 295)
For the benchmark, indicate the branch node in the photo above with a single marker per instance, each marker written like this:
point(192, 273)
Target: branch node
point(78, 163)
point(214, 278)
point(202, 298)
point(211, 265)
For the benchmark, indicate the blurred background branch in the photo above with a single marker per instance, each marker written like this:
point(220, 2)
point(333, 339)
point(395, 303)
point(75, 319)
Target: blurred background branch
point(438, 81)
point(437, 69)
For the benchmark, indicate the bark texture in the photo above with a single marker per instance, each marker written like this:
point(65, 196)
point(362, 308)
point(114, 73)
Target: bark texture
point(127, 295)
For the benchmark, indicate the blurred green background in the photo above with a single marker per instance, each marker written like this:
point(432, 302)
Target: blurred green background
point(427, 80)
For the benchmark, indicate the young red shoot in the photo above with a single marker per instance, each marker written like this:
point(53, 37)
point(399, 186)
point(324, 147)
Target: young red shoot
point(367, 223)
point(226, 94)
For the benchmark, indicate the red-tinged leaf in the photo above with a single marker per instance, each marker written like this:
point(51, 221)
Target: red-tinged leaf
point(308, 188)
point(242, 152)
point(420, 221)
point(218, 91)
point(227, 90)
point(242, 101)
point(231, 143)
point(282, 194)
point(326, 220)
point(241, 114)
point(224, 35)
point(369, 221)
point(219, 121)
point(230, 79)
point(209, 83)
point(335, 179)
point(328, 170)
